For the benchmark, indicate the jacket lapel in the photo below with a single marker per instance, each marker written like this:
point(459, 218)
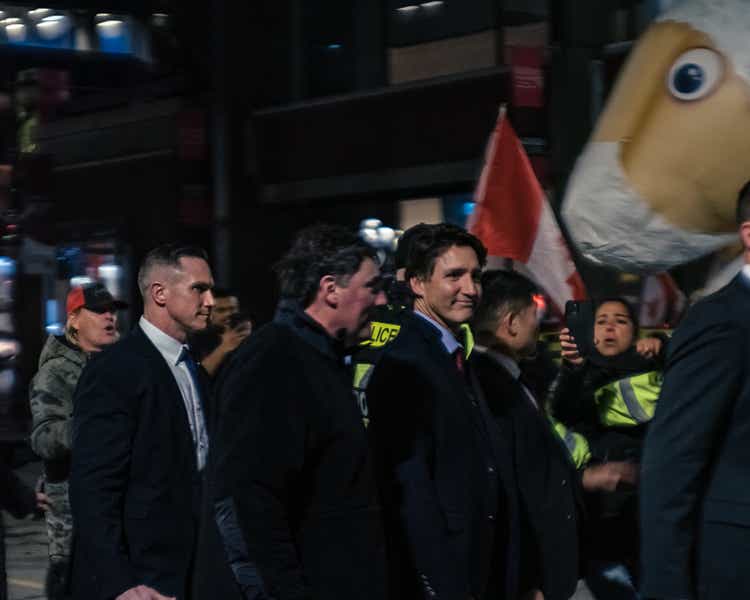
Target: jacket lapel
point(174, 402)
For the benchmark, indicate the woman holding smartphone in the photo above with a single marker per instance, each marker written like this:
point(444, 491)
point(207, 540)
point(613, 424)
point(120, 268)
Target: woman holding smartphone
point(608, 397)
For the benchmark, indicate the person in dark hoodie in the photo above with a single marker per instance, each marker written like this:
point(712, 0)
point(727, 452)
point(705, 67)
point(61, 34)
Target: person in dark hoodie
point(91, 326)
point(609, 398)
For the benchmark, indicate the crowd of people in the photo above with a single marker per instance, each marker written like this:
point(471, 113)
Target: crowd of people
point(388, 436)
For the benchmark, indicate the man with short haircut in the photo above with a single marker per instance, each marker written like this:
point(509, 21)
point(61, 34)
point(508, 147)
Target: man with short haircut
point(445, 470)
point(695, 473)
point(291, 477)
point(506, 327)
point(140, 442)
point(214, 346)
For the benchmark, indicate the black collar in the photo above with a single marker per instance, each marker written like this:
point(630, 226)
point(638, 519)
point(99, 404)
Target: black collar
point(310, 331)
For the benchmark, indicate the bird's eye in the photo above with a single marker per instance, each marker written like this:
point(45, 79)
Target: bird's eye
point(695, 74)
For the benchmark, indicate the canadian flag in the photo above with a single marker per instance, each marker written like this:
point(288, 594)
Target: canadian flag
point(515, 221)
point(662, 301)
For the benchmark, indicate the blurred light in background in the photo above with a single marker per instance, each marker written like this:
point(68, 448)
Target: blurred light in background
point(111, 276)
point(7, 381)
point(9, 348)
point(160, 19)
point(52, 326)
point(7, 267)
point(54, 28)
point(80, 280)
point(379, 236)
point(16, 32)
point(39, 13)
point(370, 224)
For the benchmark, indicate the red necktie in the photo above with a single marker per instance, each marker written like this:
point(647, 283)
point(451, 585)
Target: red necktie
point(460, 359)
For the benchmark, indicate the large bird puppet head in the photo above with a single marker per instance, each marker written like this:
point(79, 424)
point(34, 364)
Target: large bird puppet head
point(657, 183)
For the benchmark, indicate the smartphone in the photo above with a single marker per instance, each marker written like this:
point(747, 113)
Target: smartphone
point(579, 317)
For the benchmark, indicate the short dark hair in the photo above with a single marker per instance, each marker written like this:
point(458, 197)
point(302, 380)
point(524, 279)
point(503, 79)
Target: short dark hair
point(743, 204)
point(503, 292)
point(166, 255)
point(431, 241)
point(404, 243)
point(318, 251)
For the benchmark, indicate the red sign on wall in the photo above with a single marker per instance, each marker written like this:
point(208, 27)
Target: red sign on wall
point(527, 76)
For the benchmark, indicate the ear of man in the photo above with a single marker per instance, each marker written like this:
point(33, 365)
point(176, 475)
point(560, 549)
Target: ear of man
point(417, 286)
point(159, 293)
point(745, 235)
point(329, 290)
point(510, 322)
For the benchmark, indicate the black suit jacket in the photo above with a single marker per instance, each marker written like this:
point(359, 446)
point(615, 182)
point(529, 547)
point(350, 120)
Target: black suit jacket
point(547, 480)
point(695, 480)
point(134, 484)
point(446, 474)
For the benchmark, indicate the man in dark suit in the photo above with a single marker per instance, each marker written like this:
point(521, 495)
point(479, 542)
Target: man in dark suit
point(140, 442)
point(506, 328)
point(291, 482)
point(695, 479)
point(445, 470)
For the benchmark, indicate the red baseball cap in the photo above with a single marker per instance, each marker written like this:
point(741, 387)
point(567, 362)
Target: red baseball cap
point(94, 297)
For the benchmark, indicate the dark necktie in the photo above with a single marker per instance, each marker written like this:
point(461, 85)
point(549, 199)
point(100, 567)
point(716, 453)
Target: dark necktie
point(196, 418)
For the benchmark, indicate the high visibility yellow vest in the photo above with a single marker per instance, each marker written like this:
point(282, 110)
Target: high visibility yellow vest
point(629, 401)
point(577, 445)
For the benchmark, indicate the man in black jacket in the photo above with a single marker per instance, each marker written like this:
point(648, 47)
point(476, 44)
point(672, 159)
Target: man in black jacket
point(695, 479)
point(140, 442)
point(292, 484)
point(445, 469)
point(506, 329)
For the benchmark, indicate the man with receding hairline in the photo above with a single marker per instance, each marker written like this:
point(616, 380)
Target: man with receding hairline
point(140, 442)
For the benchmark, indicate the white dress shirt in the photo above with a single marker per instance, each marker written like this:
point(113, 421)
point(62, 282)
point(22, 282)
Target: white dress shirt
point(174, 354)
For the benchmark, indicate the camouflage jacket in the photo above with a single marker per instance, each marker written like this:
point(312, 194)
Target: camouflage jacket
point(60, 366)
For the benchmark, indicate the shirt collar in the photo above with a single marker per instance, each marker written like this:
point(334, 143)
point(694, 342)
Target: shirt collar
point(506, 361)
point(170, 348)
point(449, 340)
point(746, 273)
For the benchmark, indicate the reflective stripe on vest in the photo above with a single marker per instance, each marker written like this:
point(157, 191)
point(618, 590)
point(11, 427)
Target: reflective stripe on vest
point(362, 374)
point(577, 445)
point(629, 401)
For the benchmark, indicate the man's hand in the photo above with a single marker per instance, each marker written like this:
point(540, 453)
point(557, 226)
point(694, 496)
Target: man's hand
point(608, 476)
point(143, 592)
point(648, 347)
point(231, 338)
point(569, 349)
point(42, 501)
